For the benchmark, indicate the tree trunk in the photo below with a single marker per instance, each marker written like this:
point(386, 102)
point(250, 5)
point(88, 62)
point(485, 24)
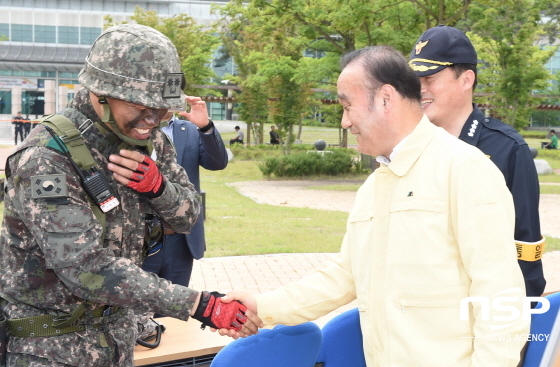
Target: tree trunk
point(248, 134)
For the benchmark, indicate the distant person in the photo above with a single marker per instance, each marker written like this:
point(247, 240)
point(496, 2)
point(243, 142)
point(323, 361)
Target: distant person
point(274, 137)
point(446, 62)
point(18, 121)
point(26, 126)
point(553, 143)
point(238, 138)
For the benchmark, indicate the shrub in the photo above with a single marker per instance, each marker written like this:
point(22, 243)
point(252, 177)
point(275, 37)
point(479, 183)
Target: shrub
point(262, 151)
point(255, 152)
point(535, 134)
point(302, 164)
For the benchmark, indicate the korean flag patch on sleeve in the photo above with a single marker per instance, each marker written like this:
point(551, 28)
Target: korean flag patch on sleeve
point(48, 186)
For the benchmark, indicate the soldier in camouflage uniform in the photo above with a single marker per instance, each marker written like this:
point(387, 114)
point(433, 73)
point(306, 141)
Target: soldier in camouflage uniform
point(57, 258)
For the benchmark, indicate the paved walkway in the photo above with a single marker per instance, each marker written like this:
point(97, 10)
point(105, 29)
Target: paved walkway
point(261, 273)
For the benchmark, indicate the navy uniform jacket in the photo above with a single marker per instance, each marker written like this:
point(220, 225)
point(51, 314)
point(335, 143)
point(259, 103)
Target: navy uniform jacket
point(509, 151)
point(194, 149)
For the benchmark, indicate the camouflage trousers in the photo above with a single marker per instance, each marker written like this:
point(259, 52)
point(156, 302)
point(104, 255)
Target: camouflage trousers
point(111, 344)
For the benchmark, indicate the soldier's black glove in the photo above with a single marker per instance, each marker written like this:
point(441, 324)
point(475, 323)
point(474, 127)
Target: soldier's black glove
point(212, 312)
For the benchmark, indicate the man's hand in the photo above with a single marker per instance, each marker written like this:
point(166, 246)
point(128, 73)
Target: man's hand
point(198, 114)
point(137, 171)
point(212, 312)
point(253, 322)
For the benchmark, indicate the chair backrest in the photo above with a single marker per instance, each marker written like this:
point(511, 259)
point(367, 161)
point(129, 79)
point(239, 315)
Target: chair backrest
point(283, 346)
point(342, 341)
point(541, 327)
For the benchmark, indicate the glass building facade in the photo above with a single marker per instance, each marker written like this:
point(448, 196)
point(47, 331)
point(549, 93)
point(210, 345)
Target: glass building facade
point(46, 41)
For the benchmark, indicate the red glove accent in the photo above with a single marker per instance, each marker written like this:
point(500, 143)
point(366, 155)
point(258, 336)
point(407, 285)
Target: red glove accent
point(225, 315)
point(147, 179)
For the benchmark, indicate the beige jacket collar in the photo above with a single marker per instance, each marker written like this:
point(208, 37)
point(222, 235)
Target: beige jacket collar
point(413, 147)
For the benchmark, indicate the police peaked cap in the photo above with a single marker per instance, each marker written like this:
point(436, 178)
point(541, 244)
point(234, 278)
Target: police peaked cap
point(440, 47)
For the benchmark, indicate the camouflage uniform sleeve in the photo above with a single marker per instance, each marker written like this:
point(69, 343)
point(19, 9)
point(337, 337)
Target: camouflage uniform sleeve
point(67, 238)
point(179, 205)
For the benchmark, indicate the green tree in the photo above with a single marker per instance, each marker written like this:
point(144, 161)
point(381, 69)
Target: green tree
point(448, 12)
point(268, 53)
point(549, 117)
point(253, 98)
point(270, 38)
point(505, 36)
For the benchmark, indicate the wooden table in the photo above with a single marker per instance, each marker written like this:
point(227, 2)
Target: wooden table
point(181, 340)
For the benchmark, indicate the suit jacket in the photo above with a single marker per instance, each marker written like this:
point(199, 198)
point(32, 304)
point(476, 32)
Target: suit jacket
point(426, 231)
point(195, 149)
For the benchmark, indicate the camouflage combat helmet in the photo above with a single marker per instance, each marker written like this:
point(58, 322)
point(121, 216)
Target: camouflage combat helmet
point(137, 64)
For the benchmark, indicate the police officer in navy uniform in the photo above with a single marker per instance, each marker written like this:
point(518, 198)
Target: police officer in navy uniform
point(445, 60)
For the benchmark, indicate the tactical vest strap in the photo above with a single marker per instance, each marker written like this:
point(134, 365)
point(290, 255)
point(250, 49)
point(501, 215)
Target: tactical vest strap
point(72, 138)
point(74, 142)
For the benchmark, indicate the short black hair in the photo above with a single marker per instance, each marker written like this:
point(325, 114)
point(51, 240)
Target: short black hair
point(552, 131)
point(385, 65)
point(237, 128)
point(461, 68)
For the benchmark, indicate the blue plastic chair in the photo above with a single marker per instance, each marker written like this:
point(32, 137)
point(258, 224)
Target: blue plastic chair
point(342, 341)
point(283, 346)
point(541, 324)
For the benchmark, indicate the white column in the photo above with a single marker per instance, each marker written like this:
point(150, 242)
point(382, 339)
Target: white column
point(50, 97)
point(62, 97)
point(16, 100)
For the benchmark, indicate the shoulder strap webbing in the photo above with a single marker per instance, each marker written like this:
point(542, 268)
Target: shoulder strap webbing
point(74, 142)
point(70, 135)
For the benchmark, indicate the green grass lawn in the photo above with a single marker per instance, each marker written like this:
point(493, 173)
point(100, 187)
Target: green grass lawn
point(550, 189)
point(236, 225)
point(552, 244)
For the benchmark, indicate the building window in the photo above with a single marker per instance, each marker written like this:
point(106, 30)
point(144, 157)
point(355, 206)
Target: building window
point(4, 31)
point(70, 35)
point(65, 81)
point(22, 33)
point(63, 74)
point(89, 35)
point(45, 33)
point(5, 102)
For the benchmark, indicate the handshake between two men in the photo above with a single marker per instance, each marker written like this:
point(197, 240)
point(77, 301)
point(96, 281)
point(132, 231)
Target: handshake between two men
point(230, 315)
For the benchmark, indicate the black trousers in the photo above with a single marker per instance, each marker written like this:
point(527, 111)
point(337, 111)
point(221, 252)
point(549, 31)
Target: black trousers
point(19, 131)
point(174, 262)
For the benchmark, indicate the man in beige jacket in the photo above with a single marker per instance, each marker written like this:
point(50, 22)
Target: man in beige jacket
point(431, 227)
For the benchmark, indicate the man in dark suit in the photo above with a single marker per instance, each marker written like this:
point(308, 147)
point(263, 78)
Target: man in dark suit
point(18, 121)
point(197, 143)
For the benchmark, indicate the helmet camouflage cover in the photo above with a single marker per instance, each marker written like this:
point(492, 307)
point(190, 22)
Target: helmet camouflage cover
point(137, 64)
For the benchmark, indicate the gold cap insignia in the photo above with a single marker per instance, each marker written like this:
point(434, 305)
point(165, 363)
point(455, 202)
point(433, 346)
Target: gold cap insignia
point(420, 46)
